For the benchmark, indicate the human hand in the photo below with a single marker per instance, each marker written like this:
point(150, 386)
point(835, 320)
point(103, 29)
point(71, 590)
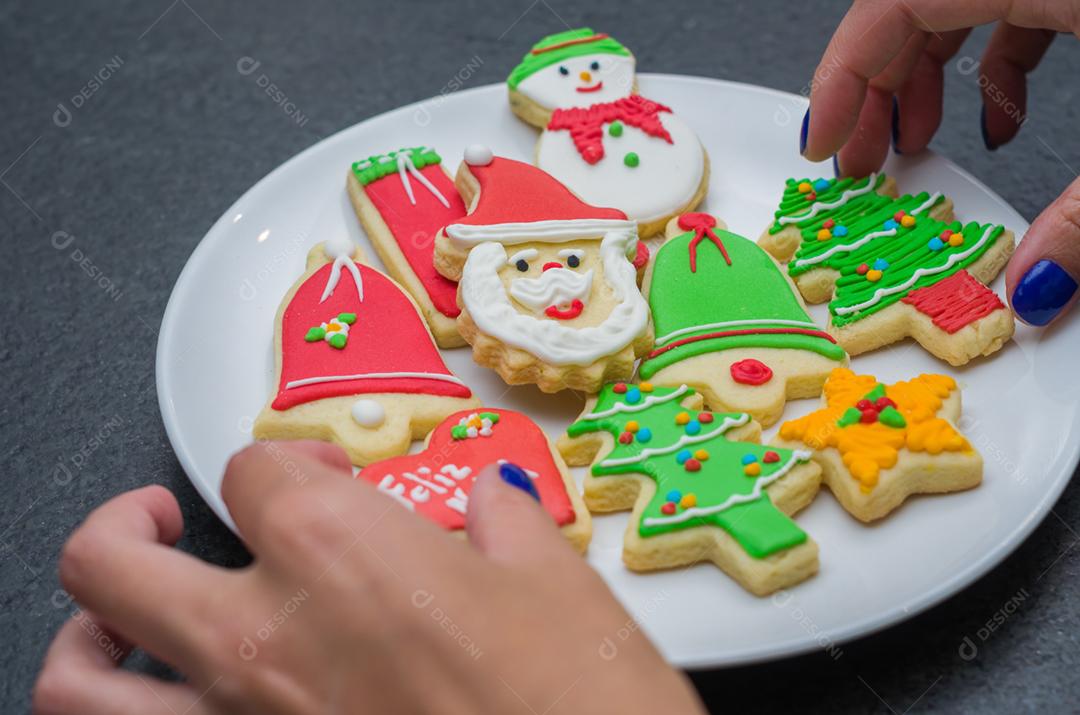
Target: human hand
point(351, 605)
point(881, 79)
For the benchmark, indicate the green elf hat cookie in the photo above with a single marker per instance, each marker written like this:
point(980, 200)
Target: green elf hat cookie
point(561, 46)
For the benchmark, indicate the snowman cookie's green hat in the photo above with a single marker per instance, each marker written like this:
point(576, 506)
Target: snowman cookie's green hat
point(562, 46)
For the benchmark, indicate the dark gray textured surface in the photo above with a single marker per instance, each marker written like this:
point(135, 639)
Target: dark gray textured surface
point(139, 172)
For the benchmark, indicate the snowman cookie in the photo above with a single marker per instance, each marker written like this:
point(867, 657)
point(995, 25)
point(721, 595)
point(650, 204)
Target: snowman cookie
point(893, 268)
point(547, 286)
point(402, 199)
point(436, 482)
point(354, 362)
point(608, 144)
point(700, 486)
point(729, 323)
point(879, 444)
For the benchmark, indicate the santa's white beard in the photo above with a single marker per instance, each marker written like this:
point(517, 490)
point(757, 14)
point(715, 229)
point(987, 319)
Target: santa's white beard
point(557, 286)
point(489, 305)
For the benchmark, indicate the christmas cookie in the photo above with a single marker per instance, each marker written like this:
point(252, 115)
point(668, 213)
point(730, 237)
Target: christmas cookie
point(547, 288)
point(402, 200)
point(700, 487)
point(895, 268)
point(609, 145)
point(729, 323)
point(355, 363)
point(878, 444)
point(436, 483)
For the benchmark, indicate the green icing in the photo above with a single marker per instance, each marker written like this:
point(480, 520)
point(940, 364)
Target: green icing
point(867, 241)
point(631, 159)
point(534, 62)
point(315, 334)
point(338, 340)
point(690, 304)
point(891, 417)
point(851, 416)
point(876, 394)
point(751, 519)
point(615, 129)
point(347, 318)
point(379, 165)
point(794, 203)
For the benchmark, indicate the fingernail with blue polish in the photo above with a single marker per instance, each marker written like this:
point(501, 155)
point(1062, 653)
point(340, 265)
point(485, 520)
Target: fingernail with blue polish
point(1043, 292)
point(802, 133)
point(896, 126)
point(515, 476)
point(836, 166)
point(985, 136)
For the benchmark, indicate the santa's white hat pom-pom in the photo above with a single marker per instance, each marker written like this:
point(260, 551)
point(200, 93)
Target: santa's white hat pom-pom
point(339, 246)
point(478, 155)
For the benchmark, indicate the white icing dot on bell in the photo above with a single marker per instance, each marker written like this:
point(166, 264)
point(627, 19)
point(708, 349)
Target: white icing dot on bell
point(478, 155)
point(368, 413)
point(339, 246)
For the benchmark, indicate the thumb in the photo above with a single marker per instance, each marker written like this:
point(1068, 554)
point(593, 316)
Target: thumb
point(506, 522)
point(1041, 277)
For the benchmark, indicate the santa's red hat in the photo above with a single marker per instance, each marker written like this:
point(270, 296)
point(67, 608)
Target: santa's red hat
point(518, 202)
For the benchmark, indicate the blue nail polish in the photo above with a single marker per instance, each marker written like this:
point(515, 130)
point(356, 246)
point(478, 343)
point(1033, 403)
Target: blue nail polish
point(985, 136)
point(896, 126)
point(1043, 292)
point(836, 166)
point(515, 476)
point(802, 133)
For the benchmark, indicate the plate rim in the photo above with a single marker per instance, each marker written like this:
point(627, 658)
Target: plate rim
point(1064, 466)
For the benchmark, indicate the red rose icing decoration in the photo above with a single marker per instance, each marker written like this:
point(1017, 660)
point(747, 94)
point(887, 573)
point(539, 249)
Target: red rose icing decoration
point(436, 482)
point(750, 372)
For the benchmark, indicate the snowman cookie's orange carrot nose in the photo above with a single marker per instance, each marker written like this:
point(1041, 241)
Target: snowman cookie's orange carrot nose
point(585, 77)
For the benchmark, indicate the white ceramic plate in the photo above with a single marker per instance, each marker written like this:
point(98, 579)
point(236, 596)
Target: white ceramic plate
point(215, 370)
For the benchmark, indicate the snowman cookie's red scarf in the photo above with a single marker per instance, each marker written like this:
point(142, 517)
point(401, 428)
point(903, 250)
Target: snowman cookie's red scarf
point(586, 124)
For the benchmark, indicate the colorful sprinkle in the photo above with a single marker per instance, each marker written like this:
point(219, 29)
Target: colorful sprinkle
point(646, 387)
point(693, 427)
point(957, 239)
point(626, 438)
point(821, 185)
point(683, 456)
point(682, 418)
point(862, 269)
point(688, 501)
point(824, 234)
point(752, 470)
point(873, 275)
point(705, 417)
point(770, 457)
point(840, 231)
point(620, 388)
point(631, 159)
point(881, 264)
point(633, 395)
point(935, 244)
point(811, 196)
point(644, 434)
point(692, 465)
point(749, 458)
point(899, 215)
point(907, 221)
point(632, 426)
point(668, 508)
point(891, 225)
point(804, 187)
point(701, 455)
point(828, 223)
point(674, 495)
point(615, 129)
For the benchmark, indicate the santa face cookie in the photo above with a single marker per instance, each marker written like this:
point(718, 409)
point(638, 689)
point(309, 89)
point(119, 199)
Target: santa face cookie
point(729, 323)
point(699, 485)
point(402, 200)
point(609, 145)
point(878, 444)
point(436, 482)
point(547, 288)
point(355, 364)
point(894, 268)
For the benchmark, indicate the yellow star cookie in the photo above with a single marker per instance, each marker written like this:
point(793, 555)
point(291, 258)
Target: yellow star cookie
point(877, 444)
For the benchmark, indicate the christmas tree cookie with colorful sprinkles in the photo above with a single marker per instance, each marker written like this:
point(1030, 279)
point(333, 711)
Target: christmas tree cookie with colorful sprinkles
point(608, 144)
point(436, 482)
point(894, 268)
point(403, 198)
point(354, 362)
point(730, 324)
point(700, 486)
point(879, 444)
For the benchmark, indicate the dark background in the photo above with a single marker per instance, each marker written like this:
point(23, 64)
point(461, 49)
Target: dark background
point(127, 184)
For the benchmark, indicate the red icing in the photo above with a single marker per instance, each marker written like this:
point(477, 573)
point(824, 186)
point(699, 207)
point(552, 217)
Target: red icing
point(750, 372)
point(586, 124)
point(595, 88)
point(726, 333)
point(513, 191)
point(641, 256)
point(702, 225)
point(415, 227)
point(388, 336)
point(514, 437)
point(578, 41)
point(957, 301)
point(552, 311)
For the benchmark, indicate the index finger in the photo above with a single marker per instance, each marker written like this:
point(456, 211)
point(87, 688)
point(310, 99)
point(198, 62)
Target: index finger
point(869, 37)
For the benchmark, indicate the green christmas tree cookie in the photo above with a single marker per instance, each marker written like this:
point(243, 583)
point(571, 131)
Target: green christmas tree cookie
point(700, 486)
